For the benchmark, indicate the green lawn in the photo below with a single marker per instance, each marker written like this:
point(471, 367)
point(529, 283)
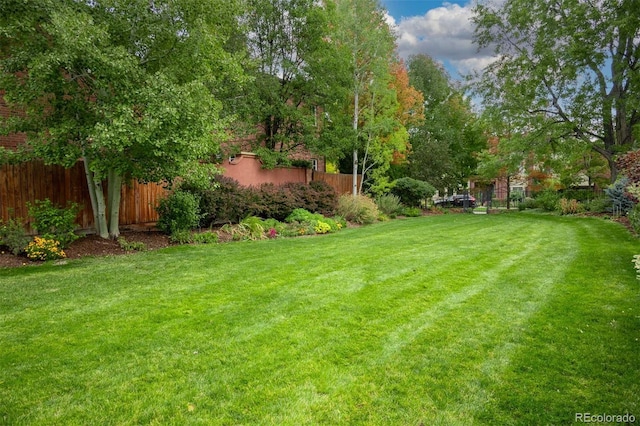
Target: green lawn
point(455, 319)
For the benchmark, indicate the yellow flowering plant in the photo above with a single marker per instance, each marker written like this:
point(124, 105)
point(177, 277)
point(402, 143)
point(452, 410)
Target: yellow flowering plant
point(44, 249)
point(322, 227)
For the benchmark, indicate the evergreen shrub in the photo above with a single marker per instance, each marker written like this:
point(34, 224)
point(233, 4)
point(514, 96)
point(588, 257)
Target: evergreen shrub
point(620, 199)
point(412, 191)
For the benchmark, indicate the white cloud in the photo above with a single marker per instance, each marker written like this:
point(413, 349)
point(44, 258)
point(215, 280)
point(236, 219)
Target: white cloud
point(444, 33)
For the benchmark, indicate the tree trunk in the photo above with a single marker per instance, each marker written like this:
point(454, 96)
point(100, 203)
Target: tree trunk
point(356, 112)
point(96, 194)
point(113, 202)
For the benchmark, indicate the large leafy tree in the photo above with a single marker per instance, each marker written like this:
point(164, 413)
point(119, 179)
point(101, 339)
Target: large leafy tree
point(443, 147)
point(295, 75)
point(395, 111)
point(128, 86)
point(565, 70)
point(367, 44)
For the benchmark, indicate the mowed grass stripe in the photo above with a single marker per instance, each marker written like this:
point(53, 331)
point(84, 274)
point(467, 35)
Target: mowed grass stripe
point(434, 320)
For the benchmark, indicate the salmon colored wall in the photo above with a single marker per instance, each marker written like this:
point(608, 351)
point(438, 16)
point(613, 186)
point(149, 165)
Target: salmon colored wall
point(247, 169)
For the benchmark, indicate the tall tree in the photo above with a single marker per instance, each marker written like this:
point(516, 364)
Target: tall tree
point(127, 86)
point(295, 78)
point(443, 146)
point(566, 69)
point(397, 112)
point(367, 41)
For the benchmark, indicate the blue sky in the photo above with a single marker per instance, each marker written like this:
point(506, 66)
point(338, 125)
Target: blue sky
point(408, 8)
point(442, 30)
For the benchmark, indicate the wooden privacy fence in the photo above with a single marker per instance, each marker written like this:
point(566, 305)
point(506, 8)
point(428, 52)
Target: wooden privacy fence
point(342, 183)
point(27, 182)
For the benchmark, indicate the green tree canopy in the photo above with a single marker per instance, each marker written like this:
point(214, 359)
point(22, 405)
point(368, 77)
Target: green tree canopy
point(565, 70)
point(443, 147)
point(128, 86)
point(295, 80)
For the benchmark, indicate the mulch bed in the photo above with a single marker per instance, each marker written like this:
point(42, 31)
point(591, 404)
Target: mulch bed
point(93, 245)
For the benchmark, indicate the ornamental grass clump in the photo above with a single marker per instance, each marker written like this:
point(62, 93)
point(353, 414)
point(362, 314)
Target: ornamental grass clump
point(358, 209)
point(569, 206)
point(44, 249)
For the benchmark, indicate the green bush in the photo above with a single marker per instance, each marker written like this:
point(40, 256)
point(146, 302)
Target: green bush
point(390, 205)
point(634, 218)
point(13, 236)
point(412, 191)
point(302, 215)
point(131, 245)
point(183, 236)
point(528, 203)
point(412, 212)
point(598, 205)
point(206, 237)
point(548, 200)
point(54, 223)
point(180, 211)
point(359, 209)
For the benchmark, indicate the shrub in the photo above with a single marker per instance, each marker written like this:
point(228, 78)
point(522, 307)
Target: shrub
point(206, 237)
point(54, 223)
point(528, 203)
point(412, 191)
point(326, 198)
point(569, 206)
point(616, 192)
point(275, 202)
point(517, 196)
point(598, 205)
point(389, 204)
point(301, 215)
point(252, 228)
point(180, 211)
point(359, 209)
point(131, 245)
point(229, 202)
point(225, 201)
point(548, 200)
point(412, 212)
point(13, 236)
point(634, 218)
point(322, 227)
point(44, 249)
point(183, 236)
